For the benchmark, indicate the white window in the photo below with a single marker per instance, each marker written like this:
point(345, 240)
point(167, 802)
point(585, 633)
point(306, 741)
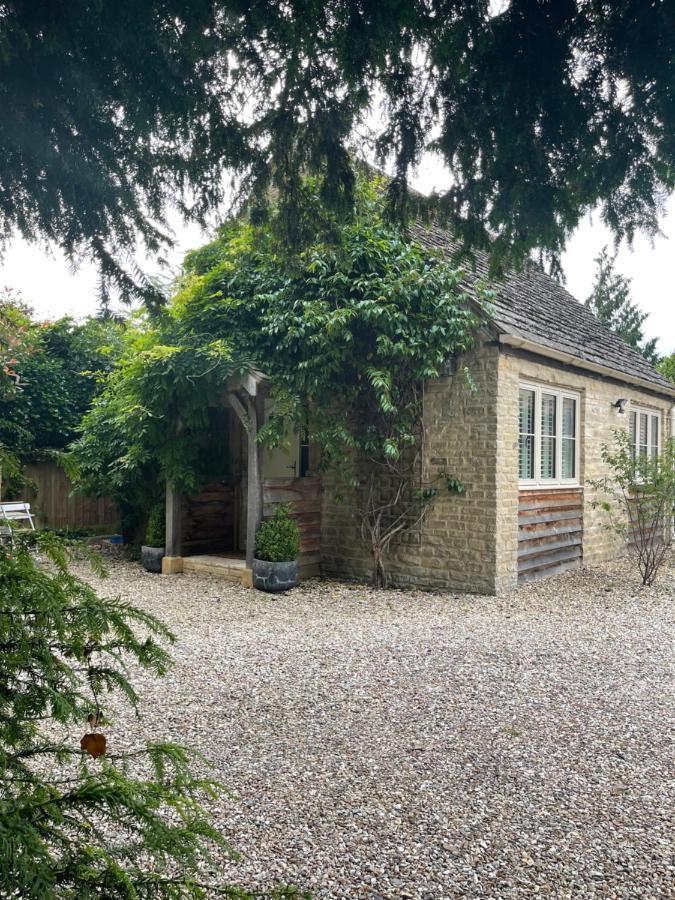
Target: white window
point(548, 445)
point(644, 431)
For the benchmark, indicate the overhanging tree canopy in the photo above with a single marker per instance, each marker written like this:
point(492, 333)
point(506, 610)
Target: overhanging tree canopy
point(346, 331)
point(542, 110)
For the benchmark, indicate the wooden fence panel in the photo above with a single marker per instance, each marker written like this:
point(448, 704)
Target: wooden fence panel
point(56, 506)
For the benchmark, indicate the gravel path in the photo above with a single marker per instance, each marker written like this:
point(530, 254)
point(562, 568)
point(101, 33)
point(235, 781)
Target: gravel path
point(428, 746)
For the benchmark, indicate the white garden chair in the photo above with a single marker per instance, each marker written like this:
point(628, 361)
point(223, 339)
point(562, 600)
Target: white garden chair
point(15, 515)
point(17, 512)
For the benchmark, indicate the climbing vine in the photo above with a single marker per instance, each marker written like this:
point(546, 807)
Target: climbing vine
point(346, 330)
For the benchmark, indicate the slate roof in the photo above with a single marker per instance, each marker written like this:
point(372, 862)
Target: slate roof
point(531, 305)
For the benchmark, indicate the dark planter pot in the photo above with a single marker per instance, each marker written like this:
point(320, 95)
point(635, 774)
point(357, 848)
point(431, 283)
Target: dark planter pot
point(151, 558)
point(274, 576)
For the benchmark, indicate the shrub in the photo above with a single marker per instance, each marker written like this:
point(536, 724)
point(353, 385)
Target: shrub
point(155, 533)
point(278, 539)
point(74, 819)
point(640, 500)
point(58, 367)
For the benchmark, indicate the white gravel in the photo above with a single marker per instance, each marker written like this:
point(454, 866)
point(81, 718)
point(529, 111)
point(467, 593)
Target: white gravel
point(402, 744)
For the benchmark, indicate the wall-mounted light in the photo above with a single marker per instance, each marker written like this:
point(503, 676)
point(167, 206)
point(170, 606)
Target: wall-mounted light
point(620, 405)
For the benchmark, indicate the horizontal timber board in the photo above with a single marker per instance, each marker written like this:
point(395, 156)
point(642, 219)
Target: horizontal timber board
point(553, 516)
point(556, 542)
point(549, 558)
point(551, 511)
point(535, 494)
point(549, 572)
point(572, 503)
point(573, 526)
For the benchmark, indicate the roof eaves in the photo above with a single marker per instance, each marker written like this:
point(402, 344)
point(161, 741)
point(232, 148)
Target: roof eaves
point(534, 345)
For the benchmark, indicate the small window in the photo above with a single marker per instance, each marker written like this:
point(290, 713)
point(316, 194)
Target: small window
point(548, 432)
point(644, 432)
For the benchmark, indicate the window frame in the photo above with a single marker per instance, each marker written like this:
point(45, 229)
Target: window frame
point(560, 394)
point(651, 414)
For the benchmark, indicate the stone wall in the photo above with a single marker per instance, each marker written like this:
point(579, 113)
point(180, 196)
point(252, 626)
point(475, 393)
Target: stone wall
point(455, 548)
point(469, 542)
point(597, 422)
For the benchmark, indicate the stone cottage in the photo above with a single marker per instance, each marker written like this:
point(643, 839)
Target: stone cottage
point(552, 384)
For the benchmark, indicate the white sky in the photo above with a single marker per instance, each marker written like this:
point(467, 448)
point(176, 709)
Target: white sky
point(47, 283)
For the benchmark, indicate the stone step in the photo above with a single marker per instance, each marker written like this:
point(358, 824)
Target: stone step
point(229, 569)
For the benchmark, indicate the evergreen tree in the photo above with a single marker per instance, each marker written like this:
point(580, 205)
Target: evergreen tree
point(541, 111)
point(666, 366)
point(80, 818)
point(610, 301)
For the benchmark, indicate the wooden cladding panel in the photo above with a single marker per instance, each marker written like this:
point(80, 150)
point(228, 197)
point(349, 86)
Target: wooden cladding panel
point(550, 532)
point(304, 495)
point(209, 519)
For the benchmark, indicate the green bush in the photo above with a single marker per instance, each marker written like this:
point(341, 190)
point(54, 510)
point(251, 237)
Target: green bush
point(76, 818)
point(278, 539)
point(155, 533)
point(639, 499)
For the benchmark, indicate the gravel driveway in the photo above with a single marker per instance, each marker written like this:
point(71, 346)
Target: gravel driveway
point(419, 745)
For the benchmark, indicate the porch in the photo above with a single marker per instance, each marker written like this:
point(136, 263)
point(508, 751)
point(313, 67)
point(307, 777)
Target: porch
point(213, 532)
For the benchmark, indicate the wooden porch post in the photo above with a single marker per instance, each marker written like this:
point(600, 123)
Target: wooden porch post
point(253, 505)
point(249, 417)
point(173, 548)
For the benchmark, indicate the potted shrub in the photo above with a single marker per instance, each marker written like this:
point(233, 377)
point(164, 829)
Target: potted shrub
point(277, 547)
point(152, 551)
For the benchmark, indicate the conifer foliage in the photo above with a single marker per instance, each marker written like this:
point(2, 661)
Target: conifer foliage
point(540, 110)
point(611, 302)
point(75, 819)
point(666, 366)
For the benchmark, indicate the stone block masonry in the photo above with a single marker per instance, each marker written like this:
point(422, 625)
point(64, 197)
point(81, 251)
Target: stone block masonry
point(469, 541)
point(456, 549)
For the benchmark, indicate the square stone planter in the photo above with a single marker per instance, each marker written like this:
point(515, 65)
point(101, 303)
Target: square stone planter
point(274, 576)
point(151, 558)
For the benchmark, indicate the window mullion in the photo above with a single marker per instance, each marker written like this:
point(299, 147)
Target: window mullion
point(558, 437)
point(537, 435)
